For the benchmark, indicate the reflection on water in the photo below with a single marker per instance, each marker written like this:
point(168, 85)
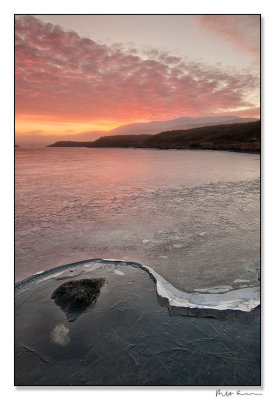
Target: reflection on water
point(126, 337)
point(191, 215)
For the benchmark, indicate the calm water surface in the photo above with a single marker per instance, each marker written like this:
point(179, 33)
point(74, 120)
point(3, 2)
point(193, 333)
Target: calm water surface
point(191, 215)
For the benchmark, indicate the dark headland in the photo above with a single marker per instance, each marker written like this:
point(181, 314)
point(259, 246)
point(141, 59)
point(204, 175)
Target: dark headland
point(242, 137)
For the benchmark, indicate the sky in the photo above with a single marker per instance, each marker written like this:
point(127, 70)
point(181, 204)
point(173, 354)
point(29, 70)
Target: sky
point(85, 73)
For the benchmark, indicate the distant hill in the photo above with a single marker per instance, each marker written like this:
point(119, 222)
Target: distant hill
point(245, 137)
point(120, 141)
point(107, 141)
point(175, 124)
point(235, 137)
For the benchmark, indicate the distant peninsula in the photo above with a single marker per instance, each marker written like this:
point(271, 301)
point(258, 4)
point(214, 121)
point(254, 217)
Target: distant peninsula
point(242, 137)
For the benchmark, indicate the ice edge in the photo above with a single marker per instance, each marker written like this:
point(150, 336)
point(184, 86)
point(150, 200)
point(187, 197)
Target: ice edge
point(246, 299)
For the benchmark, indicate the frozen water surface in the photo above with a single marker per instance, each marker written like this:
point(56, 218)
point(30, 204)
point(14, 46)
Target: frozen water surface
point(130, 335)
point(193, 216)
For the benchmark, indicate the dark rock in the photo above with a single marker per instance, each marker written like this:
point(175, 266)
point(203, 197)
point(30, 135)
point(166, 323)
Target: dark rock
point(68, 143)
point(74, 297)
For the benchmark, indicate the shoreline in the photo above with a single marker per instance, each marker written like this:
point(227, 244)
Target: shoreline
point(157, 148)
point(141, 148)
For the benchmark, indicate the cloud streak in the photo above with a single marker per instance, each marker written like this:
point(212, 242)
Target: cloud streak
point(241, 31)
point(61, 75)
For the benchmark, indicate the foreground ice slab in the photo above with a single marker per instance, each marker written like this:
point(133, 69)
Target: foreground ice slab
point(127, 336)
point(245, 299)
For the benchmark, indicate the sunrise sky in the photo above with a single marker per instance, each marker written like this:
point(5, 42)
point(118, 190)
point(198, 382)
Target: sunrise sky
point(77, 74)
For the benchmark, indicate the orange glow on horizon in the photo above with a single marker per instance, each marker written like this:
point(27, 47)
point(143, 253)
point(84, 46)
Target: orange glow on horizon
point(35, 126)
point(38, 125)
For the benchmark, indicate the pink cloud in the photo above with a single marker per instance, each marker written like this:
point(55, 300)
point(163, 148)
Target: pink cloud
point(61, 75)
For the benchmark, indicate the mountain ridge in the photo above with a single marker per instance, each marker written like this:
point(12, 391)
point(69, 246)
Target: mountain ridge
point(245, 137)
